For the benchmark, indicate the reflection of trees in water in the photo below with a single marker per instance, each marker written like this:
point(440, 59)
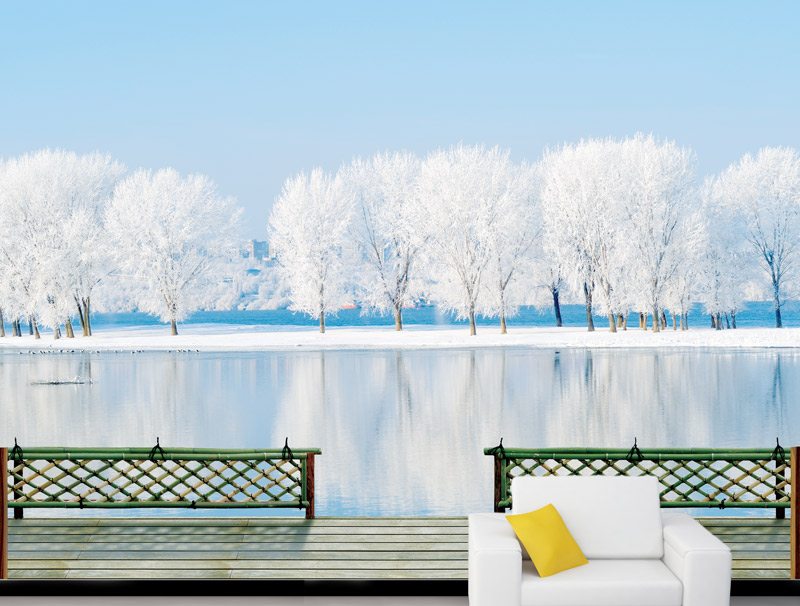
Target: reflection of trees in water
point(778, 400)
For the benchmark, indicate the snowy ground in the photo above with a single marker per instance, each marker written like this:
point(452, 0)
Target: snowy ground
point(218, 337)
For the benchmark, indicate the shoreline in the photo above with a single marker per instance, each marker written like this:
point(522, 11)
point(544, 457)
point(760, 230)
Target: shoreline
point(216, 338)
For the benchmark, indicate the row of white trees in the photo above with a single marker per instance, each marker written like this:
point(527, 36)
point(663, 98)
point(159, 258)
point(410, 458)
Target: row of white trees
point(72, 224)
point(622, 224)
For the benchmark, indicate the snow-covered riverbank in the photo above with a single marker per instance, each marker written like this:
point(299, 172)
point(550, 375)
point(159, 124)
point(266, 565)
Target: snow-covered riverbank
point(249, 338)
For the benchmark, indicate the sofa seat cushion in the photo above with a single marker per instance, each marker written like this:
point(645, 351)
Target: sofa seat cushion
point(604, 583)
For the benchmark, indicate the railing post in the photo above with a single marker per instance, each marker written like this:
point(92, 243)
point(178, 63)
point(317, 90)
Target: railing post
point(19, 513)
point(498, 483)
point(794, 540)
point(780, 482)
point(310, 485)
point(3, 513)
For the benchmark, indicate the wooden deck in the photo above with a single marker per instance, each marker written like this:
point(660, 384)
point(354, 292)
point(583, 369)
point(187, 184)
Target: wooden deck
point(287, 549)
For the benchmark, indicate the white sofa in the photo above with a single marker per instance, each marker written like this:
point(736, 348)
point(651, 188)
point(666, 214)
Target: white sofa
point(638, 556)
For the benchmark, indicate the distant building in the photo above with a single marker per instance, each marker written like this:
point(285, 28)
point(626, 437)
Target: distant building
point(256, 249)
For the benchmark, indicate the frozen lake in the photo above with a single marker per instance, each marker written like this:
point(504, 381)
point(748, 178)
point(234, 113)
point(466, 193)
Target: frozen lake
point(402, 432)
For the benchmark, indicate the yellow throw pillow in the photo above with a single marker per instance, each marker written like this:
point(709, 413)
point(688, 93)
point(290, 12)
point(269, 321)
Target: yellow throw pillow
point(547, 540)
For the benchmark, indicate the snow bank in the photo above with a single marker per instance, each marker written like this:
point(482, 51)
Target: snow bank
point(270, 338)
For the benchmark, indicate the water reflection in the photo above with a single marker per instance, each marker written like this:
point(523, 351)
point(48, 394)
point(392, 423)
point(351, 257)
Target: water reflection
point(403, 431)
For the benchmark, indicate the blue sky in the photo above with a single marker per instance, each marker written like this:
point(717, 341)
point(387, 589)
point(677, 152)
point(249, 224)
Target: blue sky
point(250, 92)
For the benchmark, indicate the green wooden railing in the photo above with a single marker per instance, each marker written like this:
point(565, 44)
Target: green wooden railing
point(155, 477)
point(168, 477)
point(689, 477)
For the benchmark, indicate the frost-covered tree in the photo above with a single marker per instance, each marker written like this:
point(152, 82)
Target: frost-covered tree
point(24, 188)
point(763, 191)
point(511, 238)
point(682, 288)
point(581, 207)
point(387, 230)
point(52, 244)
point(658, 196)
point(463, 189)
point(723, 264)
point(89, 246)
point(169, 234)
point(309, 228)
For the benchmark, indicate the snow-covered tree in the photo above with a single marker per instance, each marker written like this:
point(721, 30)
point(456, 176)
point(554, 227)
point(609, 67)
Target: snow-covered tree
point(511, 238)
point(52, 243)
point(463, 189)
point(658, 196)
point(309, 228)
point(387, 230)
point(724, 264)
point(581, 207)
point(170, 234)
point(763, 191)
point(89, 247)
point(24, 188)
point(682, 288)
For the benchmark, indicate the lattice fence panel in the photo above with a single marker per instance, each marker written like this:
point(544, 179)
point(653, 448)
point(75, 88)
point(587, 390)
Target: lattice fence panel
point(100, 481)
point(735, 481)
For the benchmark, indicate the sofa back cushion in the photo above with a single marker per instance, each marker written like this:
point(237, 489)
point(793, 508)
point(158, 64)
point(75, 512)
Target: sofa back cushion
point(610, 516)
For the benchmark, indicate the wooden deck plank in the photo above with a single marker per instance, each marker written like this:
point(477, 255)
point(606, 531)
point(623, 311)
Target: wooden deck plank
point(244, 530)
point(228, 522)
point(241, 564)
point(295, 548)
point(212, 541)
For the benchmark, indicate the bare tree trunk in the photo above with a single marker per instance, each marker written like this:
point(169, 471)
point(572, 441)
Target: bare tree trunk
point(503, 327)
point(588, 297)
point(30, 325)
point(173, 327)
point(777, 302)
point(557, 307)
point(642, 321)
point(625, 322)
point(322, 321)
point(620, 320)
point(80, 316)
point(15, 331)
point(674, 321)
point(656, 319)
point(685, 322)
point(35, 328)
point(398, 318)
point(718, 321)
point(70, 332)
point(2, 325)
point(733, 319)
point(56, 333)
point(713, 321)
point(727, 321)
point(87, 308)
point(472, 327)
point(663, 320)
point(612, 322)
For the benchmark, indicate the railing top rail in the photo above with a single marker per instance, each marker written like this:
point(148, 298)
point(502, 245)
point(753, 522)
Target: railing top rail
point(647, 453)
point(122, 454)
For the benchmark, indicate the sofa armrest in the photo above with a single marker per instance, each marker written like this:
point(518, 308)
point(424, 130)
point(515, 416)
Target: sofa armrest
point(699, 559)
point(495, 561)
